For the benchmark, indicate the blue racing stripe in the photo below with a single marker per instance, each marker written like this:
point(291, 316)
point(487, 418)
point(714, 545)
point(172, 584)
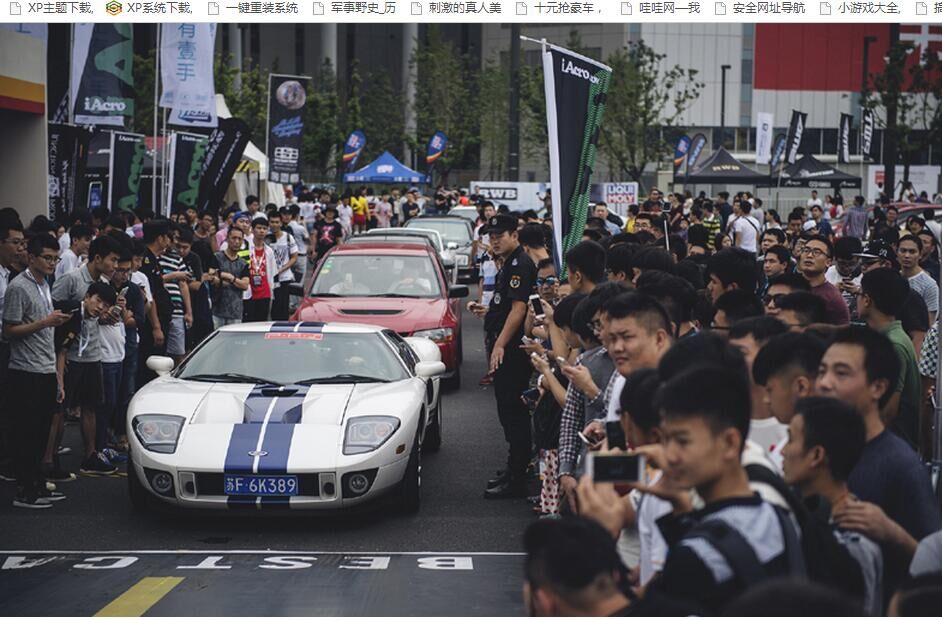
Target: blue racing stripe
point(243, 440)
point(277, 444)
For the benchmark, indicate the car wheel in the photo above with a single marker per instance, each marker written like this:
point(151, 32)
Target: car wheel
point(433, 434)
point(136, 491)
point(407, 497)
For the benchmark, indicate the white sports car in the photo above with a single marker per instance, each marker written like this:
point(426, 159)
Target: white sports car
point(287, 415)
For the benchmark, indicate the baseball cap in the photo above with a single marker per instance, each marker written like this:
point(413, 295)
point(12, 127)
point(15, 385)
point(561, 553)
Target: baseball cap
point(878, 249)
point(240, 215)
point(501, 223)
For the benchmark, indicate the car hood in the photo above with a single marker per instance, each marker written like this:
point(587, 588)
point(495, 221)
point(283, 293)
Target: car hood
point(400, 315)
point(229, 403)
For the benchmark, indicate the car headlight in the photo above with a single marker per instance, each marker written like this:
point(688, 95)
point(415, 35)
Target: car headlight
point(440, 334)
point(367, 433)
point(157, 432)
point(462, 260)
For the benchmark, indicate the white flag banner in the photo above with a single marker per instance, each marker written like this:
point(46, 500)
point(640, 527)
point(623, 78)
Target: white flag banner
point(764, 125)
point(186, 67)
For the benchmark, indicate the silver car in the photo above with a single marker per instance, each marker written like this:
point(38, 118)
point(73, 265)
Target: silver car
point(457, 234)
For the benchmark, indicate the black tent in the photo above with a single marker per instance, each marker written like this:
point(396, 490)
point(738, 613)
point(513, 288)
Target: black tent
point(723, 168)
point(809, 172)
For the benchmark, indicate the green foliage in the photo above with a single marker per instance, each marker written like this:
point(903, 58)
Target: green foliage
point(494, 114)
point(383, 120)
point(323, 134)
point(637, 109)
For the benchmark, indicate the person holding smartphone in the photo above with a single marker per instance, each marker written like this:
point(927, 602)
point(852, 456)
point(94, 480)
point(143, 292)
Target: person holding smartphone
point(509, 364)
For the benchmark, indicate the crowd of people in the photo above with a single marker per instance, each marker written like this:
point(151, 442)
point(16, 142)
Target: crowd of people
point(776, 379)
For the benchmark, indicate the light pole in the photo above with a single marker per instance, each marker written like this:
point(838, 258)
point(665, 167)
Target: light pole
point(723, 70)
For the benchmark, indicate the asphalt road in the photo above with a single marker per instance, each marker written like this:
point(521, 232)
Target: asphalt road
point(454, 519)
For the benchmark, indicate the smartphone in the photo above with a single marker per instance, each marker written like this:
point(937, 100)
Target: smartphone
point(563, 363)
point(537, 306)
point(618, 468)
point(585, 440)
point(615, 434)
point(531, 396)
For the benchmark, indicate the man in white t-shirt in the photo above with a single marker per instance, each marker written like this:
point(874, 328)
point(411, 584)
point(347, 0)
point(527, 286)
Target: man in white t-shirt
point(814, 201)
point(743, 228)
point(80, 237)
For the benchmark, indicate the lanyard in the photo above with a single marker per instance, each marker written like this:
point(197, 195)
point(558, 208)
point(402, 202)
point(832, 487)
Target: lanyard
point(257, 262)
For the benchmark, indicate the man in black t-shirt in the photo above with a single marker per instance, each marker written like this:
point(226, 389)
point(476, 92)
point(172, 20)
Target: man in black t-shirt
point(158, 237)
point(503, 328)
point(328, 232)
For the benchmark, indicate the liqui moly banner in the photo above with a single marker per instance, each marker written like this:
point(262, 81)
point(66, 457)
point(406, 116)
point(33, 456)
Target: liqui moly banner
point(778, 150)
point(764, 125)
point(102, 79)
point(867, 123)
point(126, 163)
point(223, 153)
point(287, 95)
point(795, 131)
point(68, 153)
point(843, 138)
point(576, 88)
point(186, 160)
point(680, 152)
point(696, 147)
point(186, 67)
point(352, 148)
point(436, 146)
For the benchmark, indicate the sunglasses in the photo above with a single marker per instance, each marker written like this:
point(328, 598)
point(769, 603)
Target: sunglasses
point(550, 281)
point(766, 299)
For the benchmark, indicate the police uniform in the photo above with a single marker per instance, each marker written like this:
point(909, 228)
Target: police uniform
point(515, 282)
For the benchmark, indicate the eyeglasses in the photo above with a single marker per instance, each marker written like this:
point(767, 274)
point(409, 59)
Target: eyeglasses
point(49, 258)
point(815, 252)
point(767, 299)
point(550, 281)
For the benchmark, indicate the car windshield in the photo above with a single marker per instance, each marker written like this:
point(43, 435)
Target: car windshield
point(468, 213)
point(290, 358)
point(377, 275)
point(452, 231)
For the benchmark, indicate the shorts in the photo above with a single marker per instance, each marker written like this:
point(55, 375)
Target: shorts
point(359, 219)
point(176, 337)
point(83, 385)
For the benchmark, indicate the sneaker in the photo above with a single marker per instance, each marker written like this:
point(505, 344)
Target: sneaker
point(486, 379)
point(51, 496)
point(58, 474)
point(37, 503)
point(7, 476)
point(114, 456)
point(50, 486)
point(97, 465)
point(64, 450)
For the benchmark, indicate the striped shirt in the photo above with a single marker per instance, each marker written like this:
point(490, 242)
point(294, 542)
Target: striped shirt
point(171, 262)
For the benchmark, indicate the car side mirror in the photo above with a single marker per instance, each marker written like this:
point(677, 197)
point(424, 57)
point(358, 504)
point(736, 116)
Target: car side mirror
point(458, 291)
point(296, 289)
point(160, 365)
point(427, 370)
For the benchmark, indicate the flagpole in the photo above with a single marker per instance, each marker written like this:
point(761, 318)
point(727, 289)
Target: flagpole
point(153, 171)
point(163, 159)
point(68, 114)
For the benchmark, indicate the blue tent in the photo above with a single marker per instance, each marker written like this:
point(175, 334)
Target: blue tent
point(385, 169)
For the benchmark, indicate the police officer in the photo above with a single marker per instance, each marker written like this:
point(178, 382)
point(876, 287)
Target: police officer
point(503, 328)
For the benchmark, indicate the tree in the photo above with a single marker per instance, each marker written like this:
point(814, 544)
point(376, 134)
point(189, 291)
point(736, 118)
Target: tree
point(916, 95)
point(644, 98)
point(323, 134)
point(446, 100)
point(383, 121)
point(493, 112)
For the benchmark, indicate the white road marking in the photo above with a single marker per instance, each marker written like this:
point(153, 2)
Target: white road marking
point(253, 552)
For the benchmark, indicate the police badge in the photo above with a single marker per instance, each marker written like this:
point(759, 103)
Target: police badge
point(515, 282)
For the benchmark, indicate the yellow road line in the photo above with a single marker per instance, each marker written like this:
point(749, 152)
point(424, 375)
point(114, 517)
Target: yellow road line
point(140, 597)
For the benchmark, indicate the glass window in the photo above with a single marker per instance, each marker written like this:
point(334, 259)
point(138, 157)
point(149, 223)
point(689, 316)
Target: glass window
point(360, 275)
point(292, 358)
point(452, 231)
point(830, 141)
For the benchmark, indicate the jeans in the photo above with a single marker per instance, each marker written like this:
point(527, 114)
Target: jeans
point(111, 381)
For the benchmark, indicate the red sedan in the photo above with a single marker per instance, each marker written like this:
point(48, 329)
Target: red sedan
point(399, 286)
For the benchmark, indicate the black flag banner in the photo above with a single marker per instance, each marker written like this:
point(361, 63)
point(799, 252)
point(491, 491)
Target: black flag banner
point(223, 152)
point(68, 154)
point(696, 148)
point(125, 168)
point(778, 150)
point(576, 87)
point(186, 159)
point(287, 95)
point(102, 74)
point(867, 122)
point(843, 138)
point(795, 130)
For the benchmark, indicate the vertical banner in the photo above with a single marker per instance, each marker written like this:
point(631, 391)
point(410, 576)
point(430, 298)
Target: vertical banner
point(696, 147)
point(102, 78)
point(867, 122)
point(576, 88)
point(778, 150)
point(68, 153)
point(680, 152)
point(843, 138)
point(186, 71)
point(765, 121)
point(126, 163)
point(223, 152)
point(352, 148)
point(286, 98)
point(796, 128)
point(186, 160)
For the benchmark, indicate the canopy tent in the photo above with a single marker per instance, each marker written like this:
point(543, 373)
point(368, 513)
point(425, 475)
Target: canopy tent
point(250, 179)
point(810, 172)
point(723, 168)
point(385, 169)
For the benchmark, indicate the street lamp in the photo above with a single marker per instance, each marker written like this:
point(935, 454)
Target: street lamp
point(723, 70)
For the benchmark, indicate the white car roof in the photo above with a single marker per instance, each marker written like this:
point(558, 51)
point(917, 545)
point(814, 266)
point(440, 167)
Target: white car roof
point(326, 328)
